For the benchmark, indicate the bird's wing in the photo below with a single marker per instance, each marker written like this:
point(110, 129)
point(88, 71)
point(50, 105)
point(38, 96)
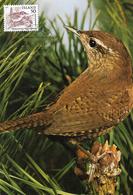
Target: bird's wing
point(96, 110)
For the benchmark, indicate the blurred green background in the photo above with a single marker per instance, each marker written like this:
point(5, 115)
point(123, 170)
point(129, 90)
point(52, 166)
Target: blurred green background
point(34, 68)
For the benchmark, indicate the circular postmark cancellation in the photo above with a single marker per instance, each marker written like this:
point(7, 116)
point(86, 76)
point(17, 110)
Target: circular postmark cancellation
point(20, 18)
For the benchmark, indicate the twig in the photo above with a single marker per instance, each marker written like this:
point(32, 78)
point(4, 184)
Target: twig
point(100, 166)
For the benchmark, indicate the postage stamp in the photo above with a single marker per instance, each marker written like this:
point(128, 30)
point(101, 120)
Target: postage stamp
point(20, 18)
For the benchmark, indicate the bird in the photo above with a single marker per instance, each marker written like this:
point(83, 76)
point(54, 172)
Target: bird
point(96, 101)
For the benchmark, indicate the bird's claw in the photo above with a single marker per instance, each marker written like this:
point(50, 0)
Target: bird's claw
point(102, 160)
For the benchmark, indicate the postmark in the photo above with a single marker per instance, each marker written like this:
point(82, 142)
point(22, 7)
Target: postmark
point(20, 18)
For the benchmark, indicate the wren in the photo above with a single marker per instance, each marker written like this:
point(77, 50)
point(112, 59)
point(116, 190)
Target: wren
point(100, 98)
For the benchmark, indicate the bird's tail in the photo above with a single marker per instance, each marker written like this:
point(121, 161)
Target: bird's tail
point(34, 120)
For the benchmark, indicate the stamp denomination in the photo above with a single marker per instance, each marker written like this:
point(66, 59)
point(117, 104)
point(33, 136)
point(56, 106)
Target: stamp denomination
point(20, 18)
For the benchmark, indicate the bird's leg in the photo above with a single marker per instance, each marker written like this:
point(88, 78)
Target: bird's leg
point(92, 157)
point(96, 153)
point(78, 147)
point(88, 154)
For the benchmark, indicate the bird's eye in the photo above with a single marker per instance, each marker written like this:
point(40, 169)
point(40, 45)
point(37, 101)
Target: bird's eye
point(92, 43)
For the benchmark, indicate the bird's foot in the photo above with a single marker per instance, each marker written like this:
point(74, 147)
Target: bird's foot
point(103, 160)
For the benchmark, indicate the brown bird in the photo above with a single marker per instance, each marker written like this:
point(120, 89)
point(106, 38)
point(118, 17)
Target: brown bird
point(97, 100)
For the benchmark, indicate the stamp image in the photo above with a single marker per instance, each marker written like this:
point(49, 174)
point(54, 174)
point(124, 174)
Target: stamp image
point(20, 18)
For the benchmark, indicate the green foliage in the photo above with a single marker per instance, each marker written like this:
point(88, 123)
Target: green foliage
point(34, 67)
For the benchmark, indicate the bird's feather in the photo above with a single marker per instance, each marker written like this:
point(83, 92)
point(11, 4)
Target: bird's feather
point(88, 106)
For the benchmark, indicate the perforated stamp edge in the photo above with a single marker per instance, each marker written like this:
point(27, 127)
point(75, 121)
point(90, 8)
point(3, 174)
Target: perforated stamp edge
point(22, 28)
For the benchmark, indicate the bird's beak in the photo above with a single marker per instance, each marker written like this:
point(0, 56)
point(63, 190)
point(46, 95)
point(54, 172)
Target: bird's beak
point(71, 29)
